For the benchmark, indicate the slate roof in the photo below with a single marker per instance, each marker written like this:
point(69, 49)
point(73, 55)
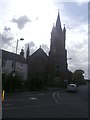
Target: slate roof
point(40, 53)
point(12, 56)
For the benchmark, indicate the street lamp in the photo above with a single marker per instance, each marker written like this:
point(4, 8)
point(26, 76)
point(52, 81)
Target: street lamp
point(16, 53)
point(69, 58)
point(17, 44)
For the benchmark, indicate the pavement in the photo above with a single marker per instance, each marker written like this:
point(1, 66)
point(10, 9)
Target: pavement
point(53, 104)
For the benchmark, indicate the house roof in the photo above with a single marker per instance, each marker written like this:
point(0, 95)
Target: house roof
point(12, 56)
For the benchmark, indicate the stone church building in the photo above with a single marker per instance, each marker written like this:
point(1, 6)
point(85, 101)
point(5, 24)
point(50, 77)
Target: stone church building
point(52, 68)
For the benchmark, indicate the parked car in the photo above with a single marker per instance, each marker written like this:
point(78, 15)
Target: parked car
point(72, 88)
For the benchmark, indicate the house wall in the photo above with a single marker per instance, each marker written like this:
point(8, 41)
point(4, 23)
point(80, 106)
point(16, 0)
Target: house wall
point(7, 68)
point(20, 67)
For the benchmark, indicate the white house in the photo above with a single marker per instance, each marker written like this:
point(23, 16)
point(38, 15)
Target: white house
point(14, 62)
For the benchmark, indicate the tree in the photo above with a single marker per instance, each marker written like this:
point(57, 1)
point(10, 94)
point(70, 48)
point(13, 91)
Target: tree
point(12, 82)
point(70, 76)
point(78, 77)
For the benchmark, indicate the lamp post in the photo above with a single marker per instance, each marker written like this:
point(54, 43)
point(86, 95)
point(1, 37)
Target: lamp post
point(69, 58)
point(16, 51)
point(17, 44)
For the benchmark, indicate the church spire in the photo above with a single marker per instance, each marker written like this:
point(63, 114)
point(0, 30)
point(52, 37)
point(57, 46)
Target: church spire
point(22, 52)
point(58, 23)
point(27, 52)
point(64, 32)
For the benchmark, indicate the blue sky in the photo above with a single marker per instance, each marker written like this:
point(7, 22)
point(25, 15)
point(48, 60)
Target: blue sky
point(76, 11)
point(33, 20)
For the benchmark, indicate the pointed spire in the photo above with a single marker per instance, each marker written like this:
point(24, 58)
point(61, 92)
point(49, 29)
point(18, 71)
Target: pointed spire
point(27, 52)
point(22, 52)
point(64, 25)
point(58, 23)
point(40, 46)
point(64, 28)
point(64, 32)
point(28, 47)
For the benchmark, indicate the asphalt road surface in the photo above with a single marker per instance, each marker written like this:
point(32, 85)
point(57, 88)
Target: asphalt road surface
point(54, 104)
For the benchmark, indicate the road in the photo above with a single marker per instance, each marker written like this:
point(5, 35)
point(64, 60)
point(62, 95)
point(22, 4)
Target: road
point(54, 104)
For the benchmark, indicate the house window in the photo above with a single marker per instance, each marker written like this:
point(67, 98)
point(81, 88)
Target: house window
point(13, 64)
point(20, 66)
point(3, 63)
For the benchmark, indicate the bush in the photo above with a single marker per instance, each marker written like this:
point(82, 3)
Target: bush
point(12, 82)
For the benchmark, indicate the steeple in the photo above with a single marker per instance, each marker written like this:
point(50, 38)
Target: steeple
point(64, 29)
point(58, 23)
point(22, 52)
point(64, 32)
point(27, 52)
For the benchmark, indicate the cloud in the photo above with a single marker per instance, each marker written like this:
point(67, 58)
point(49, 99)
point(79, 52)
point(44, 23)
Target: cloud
point(77, 46)
point(45, 48)
point(6, 36)
point(32, 47)
point(21, 21)
point(7, 28)
point(31, 44)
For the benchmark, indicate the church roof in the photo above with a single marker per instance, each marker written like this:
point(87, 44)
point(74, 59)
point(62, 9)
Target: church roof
point(12, 56)
point(37, 53)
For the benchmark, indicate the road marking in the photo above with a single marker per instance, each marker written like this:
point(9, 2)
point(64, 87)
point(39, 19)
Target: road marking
point(67, 98)
point(55, 98)
point(61, 100)
point(32, 98)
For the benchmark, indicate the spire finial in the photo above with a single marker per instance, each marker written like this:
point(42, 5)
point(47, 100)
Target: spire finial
point(27, 52)
point(40, 46)
point(58, 22)
point(58, 10)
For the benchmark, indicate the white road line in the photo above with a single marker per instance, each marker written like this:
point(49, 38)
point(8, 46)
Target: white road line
point(32, 98)
point(61, 100)
point(55, 98)
point(66, 99)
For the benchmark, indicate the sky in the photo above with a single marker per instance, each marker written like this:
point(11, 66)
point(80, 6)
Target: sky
point(33, 20)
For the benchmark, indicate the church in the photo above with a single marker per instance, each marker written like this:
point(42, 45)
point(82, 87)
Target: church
point(40, 69)
point(52, 69)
